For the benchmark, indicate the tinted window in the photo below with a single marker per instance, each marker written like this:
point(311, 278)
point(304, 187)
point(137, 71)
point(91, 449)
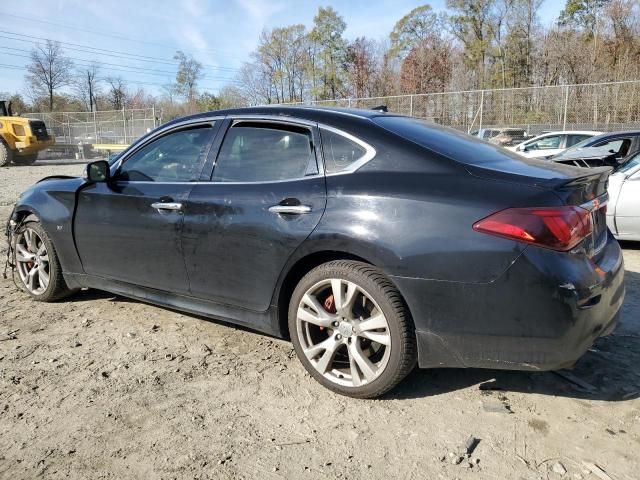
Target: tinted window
point(339, 152)
point(445, 141)
point(575, 139)
point(263, 153)
point(490, 133)
point(176, 157)
point(546, 143)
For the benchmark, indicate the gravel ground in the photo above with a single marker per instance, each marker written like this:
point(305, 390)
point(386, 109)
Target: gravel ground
point(99, 386)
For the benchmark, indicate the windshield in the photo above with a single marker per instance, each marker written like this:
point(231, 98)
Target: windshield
point(113, 158)
point(582, 144)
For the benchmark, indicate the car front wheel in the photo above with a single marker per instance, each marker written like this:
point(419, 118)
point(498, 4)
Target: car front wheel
point(37, 265)
point(351, 329)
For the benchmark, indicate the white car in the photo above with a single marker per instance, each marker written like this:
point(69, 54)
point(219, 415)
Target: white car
point(623, 210)
point(552, 143)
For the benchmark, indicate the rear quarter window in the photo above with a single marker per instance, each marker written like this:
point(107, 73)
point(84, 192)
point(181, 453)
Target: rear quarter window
point(341, 153)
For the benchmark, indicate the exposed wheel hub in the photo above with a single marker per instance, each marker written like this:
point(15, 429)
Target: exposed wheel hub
point(345, 329)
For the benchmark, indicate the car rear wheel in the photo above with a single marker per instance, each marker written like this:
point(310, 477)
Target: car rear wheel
point(37, 264)
point(351, 329)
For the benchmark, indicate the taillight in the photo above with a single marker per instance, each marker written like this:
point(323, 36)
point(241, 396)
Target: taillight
point(559, 228)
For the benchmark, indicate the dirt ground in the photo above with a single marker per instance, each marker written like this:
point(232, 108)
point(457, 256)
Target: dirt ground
point(99, 386)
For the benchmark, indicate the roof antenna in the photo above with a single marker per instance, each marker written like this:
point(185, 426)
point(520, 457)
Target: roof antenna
point(380, 108)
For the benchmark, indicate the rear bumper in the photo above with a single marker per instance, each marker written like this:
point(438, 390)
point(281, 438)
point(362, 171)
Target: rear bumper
point(543, 313)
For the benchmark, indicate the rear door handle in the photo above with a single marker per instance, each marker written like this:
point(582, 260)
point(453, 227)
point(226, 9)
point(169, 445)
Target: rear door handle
point(290, 209)
point(174, 206)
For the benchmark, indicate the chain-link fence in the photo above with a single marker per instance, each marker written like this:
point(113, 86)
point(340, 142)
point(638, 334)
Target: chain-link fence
point(599, 106)
point(107, 127)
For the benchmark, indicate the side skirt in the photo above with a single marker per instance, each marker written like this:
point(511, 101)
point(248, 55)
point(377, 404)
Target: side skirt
point(264, 322)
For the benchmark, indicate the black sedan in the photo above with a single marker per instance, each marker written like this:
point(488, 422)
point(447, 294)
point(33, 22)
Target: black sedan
point(374, 241)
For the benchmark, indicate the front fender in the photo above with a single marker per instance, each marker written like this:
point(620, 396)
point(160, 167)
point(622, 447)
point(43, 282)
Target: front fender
point(53, 202)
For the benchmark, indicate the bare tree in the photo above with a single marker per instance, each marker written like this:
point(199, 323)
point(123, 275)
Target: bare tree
point(86, 86)
point(49, 70)
point(117, 94)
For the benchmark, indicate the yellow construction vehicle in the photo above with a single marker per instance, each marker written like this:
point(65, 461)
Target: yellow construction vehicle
point(21, 138)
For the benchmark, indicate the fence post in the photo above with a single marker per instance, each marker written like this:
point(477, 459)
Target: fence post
point(411, 106)
point(481, 110)
point(124, 125)
point(349, 102)
point(566, 104)
point(595, 107)
point(95, 128)
point(153, 112)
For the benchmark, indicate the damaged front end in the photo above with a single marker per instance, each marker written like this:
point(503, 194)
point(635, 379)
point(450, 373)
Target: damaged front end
point(11, 228)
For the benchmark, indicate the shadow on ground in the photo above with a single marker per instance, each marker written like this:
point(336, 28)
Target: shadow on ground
point(609, 369)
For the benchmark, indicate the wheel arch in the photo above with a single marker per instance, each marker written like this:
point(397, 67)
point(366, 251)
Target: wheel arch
point(24, 214)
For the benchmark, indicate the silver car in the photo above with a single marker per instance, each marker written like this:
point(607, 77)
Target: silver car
point(623, 211)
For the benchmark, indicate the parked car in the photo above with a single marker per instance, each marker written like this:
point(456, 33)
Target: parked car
point(623, 211)
point(609, 149)
point(502, 136)
point(374, 241)
point(551, 143)
point(485, 133)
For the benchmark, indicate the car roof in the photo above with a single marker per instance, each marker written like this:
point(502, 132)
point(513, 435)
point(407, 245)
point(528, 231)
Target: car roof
point(626, 133)
point(569, 132)
point(303, 112)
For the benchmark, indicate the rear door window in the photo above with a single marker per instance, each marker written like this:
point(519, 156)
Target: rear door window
point(265, 152)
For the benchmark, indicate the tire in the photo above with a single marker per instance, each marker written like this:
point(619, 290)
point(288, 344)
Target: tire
point(25, 159)
point(55, 287)
point(361, 341)
point(6, 155)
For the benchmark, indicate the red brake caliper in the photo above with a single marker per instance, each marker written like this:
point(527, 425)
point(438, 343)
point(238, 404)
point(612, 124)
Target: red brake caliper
point(329, 306)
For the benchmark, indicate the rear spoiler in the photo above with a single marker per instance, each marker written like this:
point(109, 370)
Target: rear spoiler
point(594, 181)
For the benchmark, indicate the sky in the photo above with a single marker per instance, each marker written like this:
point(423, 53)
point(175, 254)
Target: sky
point(137, 39)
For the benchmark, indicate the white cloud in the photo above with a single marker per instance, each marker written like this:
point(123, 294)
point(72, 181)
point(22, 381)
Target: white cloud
point(261, 10)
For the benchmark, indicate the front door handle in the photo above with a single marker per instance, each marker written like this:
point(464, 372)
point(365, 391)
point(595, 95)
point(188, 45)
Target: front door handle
point(290, 209)
point(174, 206)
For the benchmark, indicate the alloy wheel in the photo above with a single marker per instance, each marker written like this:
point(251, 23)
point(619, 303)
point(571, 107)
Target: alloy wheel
point(343, 332)
point(32, 261)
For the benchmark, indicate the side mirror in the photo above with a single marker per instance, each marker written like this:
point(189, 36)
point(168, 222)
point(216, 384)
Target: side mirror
point(97, 171)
